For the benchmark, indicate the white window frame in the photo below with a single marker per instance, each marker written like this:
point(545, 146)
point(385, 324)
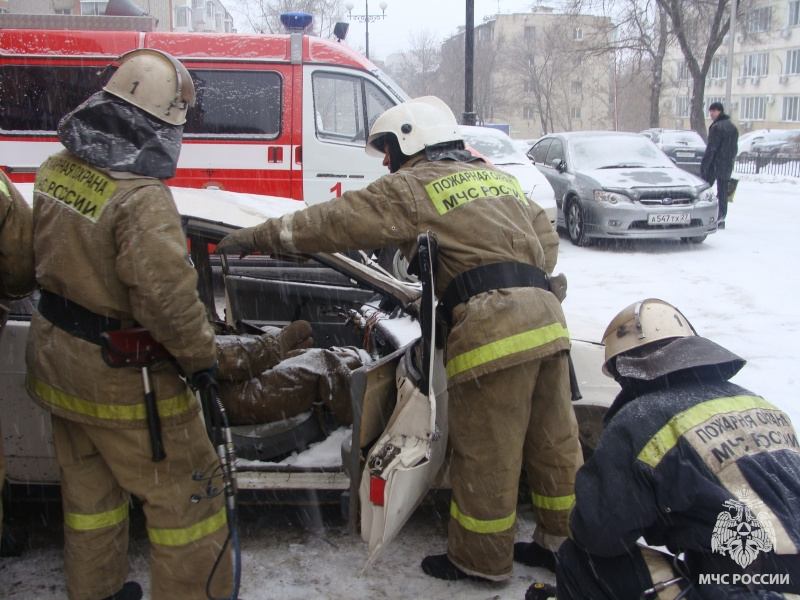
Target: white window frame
point(683, 71)
point(528, 112)
point(792, 61)
point(575, 112)
point(758, 20)
point(682, 104)
point(577, 34)
point(794, 14)
point(719, 67)
point(790, 109)
point(753, 108)
point(755, 64)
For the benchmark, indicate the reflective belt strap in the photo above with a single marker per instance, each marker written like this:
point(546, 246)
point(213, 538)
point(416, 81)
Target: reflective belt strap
point(520, 342)
point(91, 522)
point(130, 412)
point(482, 526)
point(553, 502)
point(185, 535)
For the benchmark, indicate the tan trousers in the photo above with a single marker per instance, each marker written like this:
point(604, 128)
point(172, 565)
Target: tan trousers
point(500, 422)
point(100, 467)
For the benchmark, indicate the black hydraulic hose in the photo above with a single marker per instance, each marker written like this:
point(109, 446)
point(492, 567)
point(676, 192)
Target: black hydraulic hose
point(220, 434)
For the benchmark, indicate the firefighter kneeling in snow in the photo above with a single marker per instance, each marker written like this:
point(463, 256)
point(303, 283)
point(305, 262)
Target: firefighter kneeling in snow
point(689, 461)
point(110, 251)
point(506, 349)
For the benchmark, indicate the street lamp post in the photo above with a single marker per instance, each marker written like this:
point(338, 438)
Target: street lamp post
point(367, 18)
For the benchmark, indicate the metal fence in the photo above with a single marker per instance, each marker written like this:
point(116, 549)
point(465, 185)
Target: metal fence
point(769, 164)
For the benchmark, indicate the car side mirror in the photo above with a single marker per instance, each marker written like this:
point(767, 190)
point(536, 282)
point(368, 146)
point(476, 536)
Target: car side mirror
point(559, 165)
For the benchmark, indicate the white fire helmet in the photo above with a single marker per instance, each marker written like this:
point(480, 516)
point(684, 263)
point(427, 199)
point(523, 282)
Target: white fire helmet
point(155, 82)
point(418, 123)
point(643, 323)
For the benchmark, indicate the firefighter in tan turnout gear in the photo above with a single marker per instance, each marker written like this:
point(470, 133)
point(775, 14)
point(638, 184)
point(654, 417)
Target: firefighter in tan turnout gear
point(16, 280)
point(110, 253)
point(507, 345)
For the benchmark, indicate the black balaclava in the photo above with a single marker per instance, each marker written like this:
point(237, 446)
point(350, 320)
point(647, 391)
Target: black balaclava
point(108, 132)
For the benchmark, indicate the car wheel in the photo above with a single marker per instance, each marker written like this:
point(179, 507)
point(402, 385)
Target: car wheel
point(694, 240)
point(575, 224)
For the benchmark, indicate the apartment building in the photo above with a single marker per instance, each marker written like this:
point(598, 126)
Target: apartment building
point(765, 74)
point(543, 78)
point(172, 15)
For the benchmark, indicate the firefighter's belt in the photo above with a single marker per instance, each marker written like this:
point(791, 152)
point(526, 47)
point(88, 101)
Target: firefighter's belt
point(496, 276)
point(76, 320)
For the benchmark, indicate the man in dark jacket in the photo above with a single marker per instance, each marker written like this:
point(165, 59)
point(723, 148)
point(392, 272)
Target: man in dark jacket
point(687, 461)
point(717, 165)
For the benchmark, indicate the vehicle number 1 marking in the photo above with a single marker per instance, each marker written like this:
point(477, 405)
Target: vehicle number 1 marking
point(337, 189)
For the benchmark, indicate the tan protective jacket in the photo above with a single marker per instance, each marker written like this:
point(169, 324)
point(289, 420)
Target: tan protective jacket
point(112, 242)
point(16, 242)
point(480, 216)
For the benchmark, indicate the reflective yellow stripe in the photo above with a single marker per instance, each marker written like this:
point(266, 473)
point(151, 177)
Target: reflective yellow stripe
point(506, 347)
point(553, 502)
point(96, 521)
point(166, 408)
point(667, 437)
point(479, 526)
point(185, 535)
point(4, 188)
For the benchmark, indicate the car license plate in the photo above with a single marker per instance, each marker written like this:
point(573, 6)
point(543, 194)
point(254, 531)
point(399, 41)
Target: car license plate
point(685, 154)
point(668, 219)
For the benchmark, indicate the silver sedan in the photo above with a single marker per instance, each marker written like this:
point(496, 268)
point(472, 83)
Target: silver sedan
point(621, 185)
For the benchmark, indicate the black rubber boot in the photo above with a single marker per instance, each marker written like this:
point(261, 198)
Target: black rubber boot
point(130, 591)
point(541, 591)
point(533, 555)
point(439, 566)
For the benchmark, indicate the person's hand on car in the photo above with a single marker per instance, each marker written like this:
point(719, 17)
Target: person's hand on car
point(241, 241)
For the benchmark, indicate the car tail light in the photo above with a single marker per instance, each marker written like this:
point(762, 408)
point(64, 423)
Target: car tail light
point(377, 486)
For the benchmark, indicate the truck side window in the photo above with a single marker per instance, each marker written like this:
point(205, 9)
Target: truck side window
point(235, 103)
point(346, 106)
point(34, 98)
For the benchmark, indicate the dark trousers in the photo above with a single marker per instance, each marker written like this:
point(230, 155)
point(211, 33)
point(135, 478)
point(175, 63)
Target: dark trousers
point(722, 196)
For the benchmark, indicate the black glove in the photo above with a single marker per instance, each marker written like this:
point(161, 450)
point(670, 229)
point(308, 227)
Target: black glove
point(203, 380)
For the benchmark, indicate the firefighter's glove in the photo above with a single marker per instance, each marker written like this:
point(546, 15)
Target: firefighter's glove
point(241, 241)
point(295, 336)
point(204, 380)
point(558, 285)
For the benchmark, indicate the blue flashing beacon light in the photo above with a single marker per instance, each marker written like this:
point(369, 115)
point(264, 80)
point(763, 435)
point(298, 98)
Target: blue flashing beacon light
point(296, 22)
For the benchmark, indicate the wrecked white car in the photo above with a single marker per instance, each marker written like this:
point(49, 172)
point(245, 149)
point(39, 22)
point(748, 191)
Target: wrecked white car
point(381, 465)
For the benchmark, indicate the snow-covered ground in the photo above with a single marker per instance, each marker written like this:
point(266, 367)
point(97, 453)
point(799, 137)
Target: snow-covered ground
point(740, 288)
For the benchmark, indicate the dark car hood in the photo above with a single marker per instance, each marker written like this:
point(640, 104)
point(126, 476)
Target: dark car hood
point(635, 178)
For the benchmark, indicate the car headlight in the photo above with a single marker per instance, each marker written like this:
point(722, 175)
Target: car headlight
point(611, 197)
point(707, 195)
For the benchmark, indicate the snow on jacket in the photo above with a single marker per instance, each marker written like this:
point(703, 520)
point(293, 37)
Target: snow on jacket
point(480, 216)
point(112, 242)
point(721, 149)
point(16, 242)
point(670, 458)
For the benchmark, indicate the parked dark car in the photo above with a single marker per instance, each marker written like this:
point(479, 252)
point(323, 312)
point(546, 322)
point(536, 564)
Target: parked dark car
point(685, 148)
point(621, 185)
